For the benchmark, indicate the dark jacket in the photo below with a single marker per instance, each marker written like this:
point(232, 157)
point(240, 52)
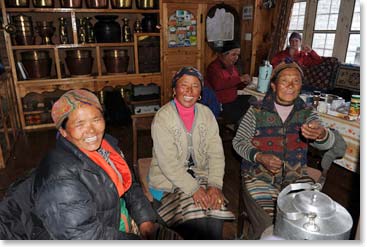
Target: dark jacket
point(73, 198)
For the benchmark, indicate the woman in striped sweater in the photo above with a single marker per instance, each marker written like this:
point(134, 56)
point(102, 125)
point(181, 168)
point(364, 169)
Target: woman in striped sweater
point(273, 138)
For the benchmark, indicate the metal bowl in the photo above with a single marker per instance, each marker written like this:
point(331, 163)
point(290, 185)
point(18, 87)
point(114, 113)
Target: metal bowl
point(17, 3)
point(79, 62)
point(97, 3)
point(116, 60)
point(34, 55)
point(43, 3)
point(144, 4)
point(79, 53)
point(71, 3)
point(121, 4)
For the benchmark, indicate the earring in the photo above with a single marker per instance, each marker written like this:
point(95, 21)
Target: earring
point(199, 98)
point(173, 95)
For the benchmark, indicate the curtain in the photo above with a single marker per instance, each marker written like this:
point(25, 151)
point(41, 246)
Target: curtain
point(279, 34)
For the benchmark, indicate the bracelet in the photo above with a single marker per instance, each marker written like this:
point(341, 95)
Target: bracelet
point(255, 156)
point(325, 137)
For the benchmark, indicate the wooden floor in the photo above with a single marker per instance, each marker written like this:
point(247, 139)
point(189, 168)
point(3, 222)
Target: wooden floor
point(341, 185)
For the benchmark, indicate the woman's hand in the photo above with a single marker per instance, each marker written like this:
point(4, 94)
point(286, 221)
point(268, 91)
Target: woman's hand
point(270, 162)
point(200, 198)
point(216, 198)
point(306, 48)
point(313, 130)
point(245, 79)
point(147, 230)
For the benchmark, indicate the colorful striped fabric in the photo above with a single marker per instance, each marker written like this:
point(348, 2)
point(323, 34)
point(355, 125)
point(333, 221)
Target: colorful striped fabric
point(178, 207)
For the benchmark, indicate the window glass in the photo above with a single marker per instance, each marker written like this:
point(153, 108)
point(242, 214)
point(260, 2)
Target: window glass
point(353, 52)
point(327, 14)
point(297, 19)
point(356, 22)
point(323, 43)
point(298, 16)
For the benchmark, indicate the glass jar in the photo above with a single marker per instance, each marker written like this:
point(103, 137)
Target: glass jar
point(354, 108)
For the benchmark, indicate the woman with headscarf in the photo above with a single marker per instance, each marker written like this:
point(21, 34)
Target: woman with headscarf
point(83, 188)
point(188, 162)
point(224, 78)
point(273, 138)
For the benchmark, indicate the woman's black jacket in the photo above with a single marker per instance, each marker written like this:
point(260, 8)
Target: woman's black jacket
point(73, 198)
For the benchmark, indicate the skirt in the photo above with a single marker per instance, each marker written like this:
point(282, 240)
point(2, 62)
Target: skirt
point(178, 207)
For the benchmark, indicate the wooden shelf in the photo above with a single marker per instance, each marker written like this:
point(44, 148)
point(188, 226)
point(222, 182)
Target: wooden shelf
point(65, 46)
point(127, 77)
point(35, 112)
point(144, 102)
point(82, 10)
point(99, 79)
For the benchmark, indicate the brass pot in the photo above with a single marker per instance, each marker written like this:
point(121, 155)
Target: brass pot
point(17, 3)
point(115, 53)
point(97, 4)
point(71, 3)
point(34, 55)
point(22, 18)
point(79, 62)
point(144, 4)
point(79, 54)
point(116, 61)
point(37, 64)
point(121, 4)
point(43, 3)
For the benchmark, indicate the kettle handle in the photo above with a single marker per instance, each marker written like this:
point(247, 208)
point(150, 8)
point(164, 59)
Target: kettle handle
point(296, 187)
point(299, 186)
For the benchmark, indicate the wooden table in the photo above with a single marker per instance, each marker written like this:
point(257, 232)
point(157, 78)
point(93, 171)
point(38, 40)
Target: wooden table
point(350, 130)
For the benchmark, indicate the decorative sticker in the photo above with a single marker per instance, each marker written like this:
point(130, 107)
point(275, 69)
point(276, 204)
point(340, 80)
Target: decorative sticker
point(182, 29)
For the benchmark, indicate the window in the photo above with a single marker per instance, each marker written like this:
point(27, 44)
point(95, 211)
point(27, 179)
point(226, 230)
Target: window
point(297, 19)
point(332, 27)
point(353, 51)
point(325, 26)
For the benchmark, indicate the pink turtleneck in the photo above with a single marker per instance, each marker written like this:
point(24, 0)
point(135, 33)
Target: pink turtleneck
point(187, 114)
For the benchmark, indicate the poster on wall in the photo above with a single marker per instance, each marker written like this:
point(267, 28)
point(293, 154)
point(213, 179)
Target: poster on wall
point(182, 29)
point(247, 13)
point(220, 27)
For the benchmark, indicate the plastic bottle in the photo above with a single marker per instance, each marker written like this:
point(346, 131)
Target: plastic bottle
point(264, 76)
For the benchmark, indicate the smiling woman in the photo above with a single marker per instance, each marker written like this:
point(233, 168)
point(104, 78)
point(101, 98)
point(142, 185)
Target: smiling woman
point(83, 188)
point(186, 146)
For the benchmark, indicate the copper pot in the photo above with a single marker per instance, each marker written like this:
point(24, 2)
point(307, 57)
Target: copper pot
point(116, 60)
point(97, 4)
point(22, 30)
point(71, 3)
point(121, 4)
point(37, 64)
point(144, 4)
point(43, 3)
point(17, 3)
point(79, 62)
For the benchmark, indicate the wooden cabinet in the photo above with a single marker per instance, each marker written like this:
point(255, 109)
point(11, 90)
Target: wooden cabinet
point(34, 115)
point(183, 38)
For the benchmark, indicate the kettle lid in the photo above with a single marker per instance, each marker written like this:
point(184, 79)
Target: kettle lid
point(314, 202)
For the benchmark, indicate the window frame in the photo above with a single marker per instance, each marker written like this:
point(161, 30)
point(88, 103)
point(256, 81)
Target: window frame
point(343, 28)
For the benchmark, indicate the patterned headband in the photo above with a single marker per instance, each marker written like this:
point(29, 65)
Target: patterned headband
point(71, 101)
point(189, 70)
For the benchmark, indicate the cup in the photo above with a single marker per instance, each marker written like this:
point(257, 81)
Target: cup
point(316, 98)
point(322, 107)
point(253, 83)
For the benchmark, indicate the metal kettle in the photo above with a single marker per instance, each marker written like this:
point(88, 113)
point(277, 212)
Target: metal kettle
point(305, 213)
